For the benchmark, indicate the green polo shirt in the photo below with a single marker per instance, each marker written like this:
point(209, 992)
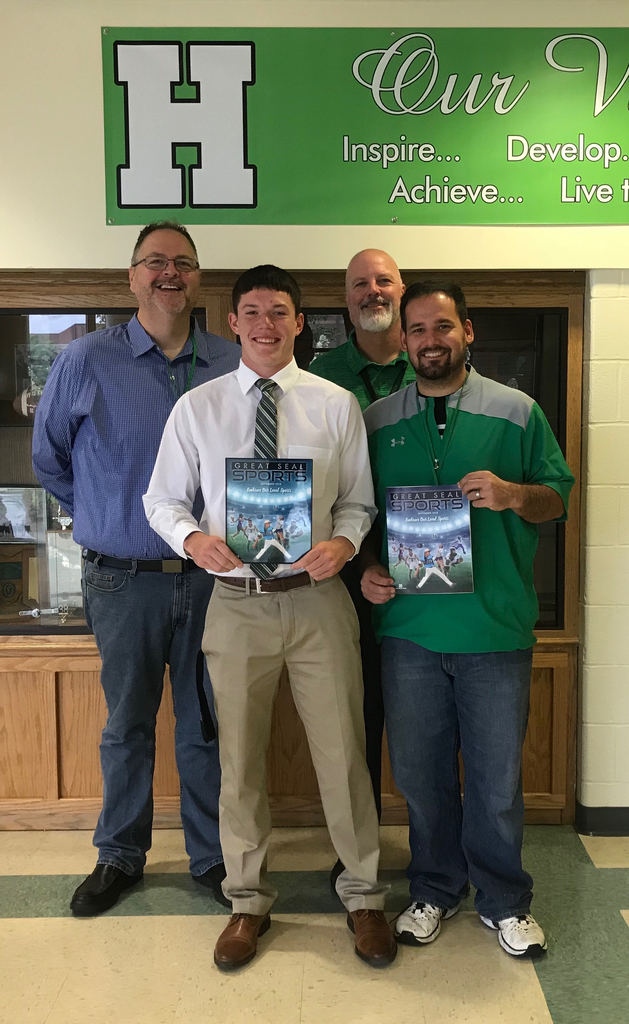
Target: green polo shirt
point(343, 366)
point(494, 428)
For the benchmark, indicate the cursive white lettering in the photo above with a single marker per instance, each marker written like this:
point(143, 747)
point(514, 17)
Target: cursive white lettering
point(601, 74)
point(422, 66)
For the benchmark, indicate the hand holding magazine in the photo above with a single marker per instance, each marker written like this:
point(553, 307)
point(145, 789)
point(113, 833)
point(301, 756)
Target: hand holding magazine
point(429, 541)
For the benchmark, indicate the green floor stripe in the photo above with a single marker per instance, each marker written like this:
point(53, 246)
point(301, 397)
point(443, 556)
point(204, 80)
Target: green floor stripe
point(300, 892)
point(585, 977)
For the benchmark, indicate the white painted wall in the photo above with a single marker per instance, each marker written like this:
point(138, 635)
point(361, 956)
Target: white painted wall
point(604, 775)
point(52, 215)
point(52, 211)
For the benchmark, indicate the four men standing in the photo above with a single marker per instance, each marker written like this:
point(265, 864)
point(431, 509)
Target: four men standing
point(455, 673)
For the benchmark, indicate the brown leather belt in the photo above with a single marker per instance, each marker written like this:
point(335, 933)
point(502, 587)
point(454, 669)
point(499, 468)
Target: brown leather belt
point(254, 585)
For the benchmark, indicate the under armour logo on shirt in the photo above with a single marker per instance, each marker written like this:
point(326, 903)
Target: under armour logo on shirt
point(395, 440)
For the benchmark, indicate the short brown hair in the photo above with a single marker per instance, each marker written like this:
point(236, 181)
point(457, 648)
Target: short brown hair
point(432, 287)
point(161, 225)
point(268, 278)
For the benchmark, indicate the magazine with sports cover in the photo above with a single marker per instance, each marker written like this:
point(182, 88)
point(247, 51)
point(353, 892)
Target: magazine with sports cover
point(429, 541)
point(268, 508)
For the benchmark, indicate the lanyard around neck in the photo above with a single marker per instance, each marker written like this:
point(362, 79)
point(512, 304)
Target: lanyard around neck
point(437, 463)
point(371, 391)
point(173, 379)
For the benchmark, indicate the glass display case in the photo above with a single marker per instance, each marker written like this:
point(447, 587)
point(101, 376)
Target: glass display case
point(324, 329)
point(527, 349)
point(40, 563)
point(524, 348)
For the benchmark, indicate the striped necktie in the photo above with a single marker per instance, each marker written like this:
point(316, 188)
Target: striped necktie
point(265, 447)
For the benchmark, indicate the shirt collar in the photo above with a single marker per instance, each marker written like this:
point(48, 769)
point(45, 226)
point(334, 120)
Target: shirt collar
point(141, 342)
point(285, 378)
point(357, 361)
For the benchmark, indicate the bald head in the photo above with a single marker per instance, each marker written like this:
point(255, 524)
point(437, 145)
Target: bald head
point(373, 289)
point(368, 262)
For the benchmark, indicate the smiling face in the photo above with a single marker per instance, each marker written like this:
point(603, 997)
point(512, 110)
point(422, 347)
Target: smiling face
point(164, 291)
point(373, 289)
point(435, 338)
point(267, 326)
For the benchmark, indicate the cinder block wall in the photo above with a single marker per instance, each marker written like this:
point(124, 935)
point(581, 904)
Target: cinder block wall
point(604, 749)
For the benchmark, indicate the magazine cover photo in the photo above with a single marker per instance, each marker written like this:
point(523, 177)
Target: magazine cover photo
point(429, 543)
point(268, 509)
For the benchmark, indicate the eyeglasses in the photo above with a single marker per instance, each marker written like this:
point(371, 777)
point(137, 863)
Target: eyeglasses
point(184, 264)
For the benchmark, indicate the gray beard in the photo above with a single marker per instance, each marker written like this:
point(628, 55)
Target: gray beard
point(376, 319)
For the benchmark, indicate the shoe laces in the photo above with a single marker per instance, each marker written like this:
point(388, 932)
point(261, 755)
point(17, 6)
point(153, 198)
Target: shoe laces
point(423, 910)
point(364, 913)
point(521, 922)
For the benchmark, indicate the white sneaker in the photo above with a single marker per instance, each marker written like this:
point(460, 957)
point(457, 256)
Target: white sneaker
point(519, 936)
point(421, 923)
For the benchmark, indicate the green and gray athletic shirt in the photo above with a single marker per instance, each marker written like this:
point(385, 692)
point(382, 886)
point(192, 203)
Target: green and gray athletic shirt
point(489, 427)
point(348, 367)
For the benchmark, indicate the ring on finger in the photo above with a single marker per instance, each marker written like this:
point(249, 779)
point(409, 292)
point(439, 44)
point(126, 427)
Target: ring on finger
point(477, 495)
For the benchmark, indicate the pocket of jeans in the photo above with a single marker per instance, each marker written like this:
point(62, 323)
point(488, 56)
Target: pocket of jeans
point(106, 579)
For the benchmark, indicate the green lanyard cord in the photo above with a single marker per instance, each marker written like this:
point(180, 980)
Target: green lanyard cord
point(194, 363)
point(438, 463)
point(172, 378)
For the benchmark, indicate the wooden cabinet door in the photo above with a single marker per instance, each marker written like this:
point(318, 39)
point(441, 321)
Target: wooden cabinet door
point(548, 757)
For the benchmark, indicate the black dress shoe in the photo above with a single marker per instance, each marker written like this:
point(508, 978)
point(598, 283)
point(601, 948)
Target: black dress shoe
point(212, 879)
point(334, 874)
point(101, 890)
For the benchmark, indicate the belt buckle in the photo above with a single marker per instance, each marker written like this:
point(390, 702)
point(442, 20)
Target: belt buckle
point(258, 585)
point(172, 565)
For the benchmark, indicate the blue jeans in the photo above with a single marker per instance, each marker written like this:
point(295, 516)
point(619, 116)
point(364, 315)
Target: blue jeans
point(436, 704)
point(143, 621)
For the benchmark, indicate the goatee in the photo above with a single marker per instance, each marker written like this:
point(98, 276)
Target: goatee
point(376, 318)
point(441, 371)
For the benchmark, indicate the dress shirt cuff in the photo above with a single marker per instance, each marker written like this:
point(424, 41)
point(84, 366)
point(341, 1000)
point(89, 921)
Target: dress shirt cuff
point(181, 531)
point(353, 523)
point(355, 538)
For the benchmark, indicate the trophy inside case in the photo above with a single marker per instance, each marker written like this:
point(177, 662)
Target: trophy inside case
point(40, 563)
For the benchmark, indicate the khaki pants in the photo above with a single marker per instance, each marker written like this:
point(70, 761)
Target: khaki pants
point(247, 641)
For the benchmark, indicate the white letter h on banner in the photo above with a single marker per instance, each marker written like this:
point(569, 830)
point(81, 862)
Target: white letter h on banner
point(156, 123)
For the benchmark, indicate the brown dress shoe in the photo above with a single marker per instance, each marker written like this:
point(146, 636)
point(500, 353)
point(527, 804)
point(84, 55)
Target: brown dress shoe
point(375, 942)
point(237, 942)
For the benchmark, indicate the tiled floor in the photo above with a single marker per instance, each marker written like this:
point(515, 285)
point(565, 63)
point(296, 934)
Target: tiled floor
point(149, 959)
point(608, 853)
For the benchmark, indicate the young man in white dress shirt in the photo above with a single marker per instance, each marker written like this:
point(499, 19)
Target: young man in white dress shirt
point(301, 616)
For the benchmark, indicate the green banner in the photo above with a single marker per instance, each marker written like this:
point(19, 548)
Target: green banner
point(367, 126)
